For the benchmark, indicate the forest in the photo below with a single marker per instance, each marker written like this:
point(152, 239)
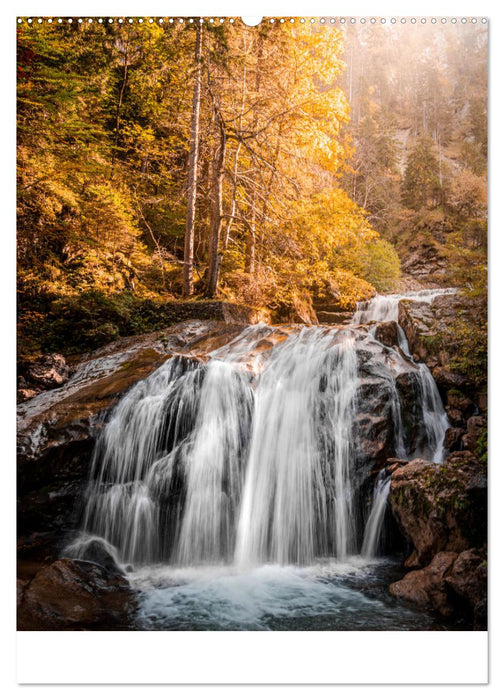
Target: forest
point(285, 167)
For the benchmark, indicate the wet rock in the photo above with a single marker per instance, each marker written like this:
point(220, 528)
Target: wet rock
point(96, 550)
point(386, 333)
point(393, 463)
point(417, 320)
point(476, 425)
point(440, 507)
point(447, 380)
point(409, 391)
point(433, 338)
point(456, 399)
point(455, 417)
point(75, 595)
point(427, 588)
point(48, 371)
point(412, 562)
point(334, 317)
point(453, 440)
point(468, 579)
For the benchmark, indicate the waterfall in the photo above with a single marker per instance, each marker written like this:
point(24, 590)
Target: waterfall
point(374, 523)
point(252, 453)
point(435, 419)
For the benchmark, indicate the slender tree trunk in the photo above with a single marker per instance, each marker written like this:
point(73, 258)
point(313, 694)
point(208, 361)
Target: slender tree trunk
point(214, 254)
point(227, 230)
point(250, 244)
point(193, 168)
point(118, 110)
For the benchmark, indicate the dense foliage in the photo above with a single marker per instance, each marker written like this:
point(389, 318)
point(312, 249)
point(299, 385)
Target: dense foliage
point(105, 113)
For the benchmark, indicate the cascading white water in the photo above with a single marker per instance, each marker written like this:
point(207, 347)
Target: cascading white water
point(374, 523)
point(385, 307)
point(298, 498)
point(213, 477)
point(434, 416)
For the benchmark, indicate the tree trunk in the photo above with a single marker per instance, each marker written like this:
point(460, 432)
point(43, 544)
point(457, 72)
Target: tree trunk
point(118, 110)
point(237, 152)
point(250, 244)
point(193, 168)
point(214, 254)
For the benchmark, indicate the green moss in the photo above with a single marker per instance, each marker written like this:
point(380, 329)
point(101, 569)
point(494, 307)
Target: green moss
point(482, 447)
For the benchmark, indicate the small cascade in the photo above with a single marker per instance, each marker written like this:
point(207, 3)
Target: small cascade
point(374, 524)
point(435, 419)
point(385, 307)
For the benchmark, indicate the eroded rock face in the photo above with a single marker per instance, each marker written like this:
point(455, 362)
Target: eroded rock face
point(380, 369)
point(424, 261)
point(75, 595)
point(440, 507)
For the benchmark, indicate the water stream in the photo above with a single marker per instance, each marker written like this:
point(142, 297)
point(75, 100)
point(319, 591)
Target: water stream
point(232, 488)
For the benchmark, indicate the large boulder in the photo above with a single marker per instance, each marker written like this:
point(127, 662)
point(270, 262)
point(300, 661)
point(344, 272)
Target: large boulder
point(75, 595)
point(380, 369)
point(441, 510)
point(468, 580)
point(440, 507)
point(427, 588)
point(450, 585)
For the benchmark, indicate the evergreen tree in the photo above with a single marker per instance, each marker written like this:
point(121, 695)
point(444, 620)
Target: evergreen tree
point(421, 185)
